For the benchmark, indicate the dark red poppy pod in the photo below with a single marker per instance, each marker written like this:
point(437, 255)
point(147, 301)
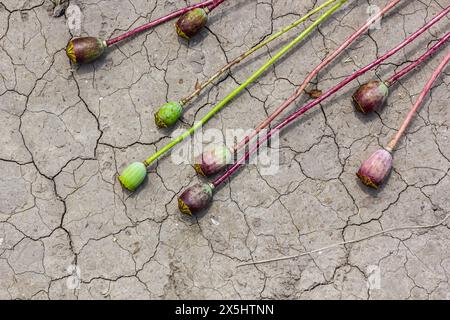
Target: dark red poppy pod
point(371, 96)
point(85, 49)
point(213, 161)
point(191, 23)
point(375, 170)
point(196, 199)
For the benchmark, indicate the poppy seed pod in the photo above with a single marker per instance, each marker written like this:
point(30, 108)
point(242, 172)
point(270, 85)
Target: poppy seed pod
point(213, 160)
point(374, 170)
point(191, 23)
point(85, 49)
point(196, 198)
point(371, 96)
point(168, 114)
point(133, 176)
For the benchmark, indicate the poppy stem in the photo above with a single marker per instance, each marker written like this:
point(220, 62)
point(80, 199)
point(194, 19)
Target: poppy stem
point(210, 4)
point(215, 4)
point(419, 61)
point(391, 146)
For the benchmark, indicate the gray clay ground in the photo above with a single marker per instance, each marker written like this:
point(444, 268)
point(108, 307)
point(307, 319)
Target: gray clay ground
point(67, 131)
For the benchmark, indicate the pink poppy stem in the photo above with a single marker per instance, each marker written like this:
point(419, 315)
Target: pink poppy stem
point(418, 104)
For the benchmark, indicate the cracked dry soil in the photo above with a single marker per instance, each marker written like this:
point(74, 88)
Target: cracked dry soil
point(67, 131)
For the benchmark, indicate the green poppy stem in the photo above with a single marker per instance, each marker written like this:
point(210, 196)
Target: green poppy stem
point(239, 89)
point(183, 102)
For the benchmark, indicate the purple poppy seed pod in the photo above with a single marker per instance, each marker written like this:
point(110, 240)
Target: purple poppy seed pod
point(375, 170)
point(371, 96)
point(196, 198)
point(213, 160)
point(85, 49)
point(191, 23)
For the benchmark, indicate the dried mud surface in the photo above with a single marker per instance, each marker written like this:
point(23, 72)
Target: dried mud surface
point(67, 131)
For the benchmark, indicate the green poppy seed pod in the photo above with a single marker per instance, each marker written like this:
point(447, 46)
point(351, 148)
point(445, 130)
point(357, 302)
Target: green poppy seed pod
point(168, 114)
point(191, 23)
point(213, 160)
point(375, 170)
point(196, 198)
point(133, 176)
point(85, 49)
point(371, 96)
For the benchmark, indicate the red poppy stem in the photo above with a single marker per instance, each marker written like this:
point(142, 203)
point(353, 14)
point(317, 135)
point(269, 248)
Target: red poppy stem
point(416, 63)
point(215, 4)
point(211, 4)
point(418, 103)
point(332, 91)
